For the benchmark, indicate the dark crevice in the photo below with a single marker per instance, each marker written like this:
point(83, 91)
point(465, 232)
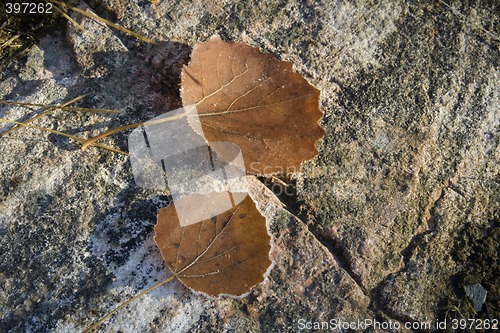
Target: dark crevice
point(285, 190)
point(340, 256)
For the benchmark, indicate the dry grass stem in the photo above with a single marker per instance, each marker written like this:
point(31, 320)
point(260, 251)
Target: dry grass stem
point(74, 137)
point(8, 42)
point(46, 112)
point(66, 108)
point(76, 24)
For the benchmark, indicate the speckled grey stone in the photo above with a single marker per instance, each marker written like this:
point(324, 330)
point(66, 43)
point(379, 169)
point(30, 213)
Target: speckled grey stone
point(476, 294)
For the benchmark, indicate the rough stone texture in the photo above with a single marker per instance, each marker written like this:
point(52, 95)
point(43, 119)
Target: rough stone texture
point(395, 216)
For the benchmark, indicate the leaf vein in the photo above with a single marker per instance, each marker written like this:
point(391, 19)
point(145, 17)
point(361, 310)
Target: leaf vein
point(220, 113)
point(226, 84)
point(213, 272)
point(195, 260)
point(219, 255)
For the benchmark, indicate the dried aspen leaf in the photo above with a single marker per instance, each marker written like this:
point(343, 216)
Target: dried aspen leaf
point(227, 254)
point(251, 99)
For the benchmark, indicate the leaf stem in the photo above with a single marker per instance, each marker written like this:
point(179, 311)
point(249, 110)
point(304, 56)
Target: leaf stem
point(92, 141)
point(142, 293)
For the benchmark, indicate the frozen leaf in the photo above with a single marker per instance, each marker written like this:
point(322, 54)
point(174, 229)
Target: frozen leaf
point(251, 99)
point(227, 254)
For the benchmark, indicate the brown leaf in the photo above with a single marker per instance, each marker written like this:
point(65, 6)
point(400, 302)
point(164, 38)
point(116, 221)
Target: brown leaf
point(227, 254)
point(251, 99)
